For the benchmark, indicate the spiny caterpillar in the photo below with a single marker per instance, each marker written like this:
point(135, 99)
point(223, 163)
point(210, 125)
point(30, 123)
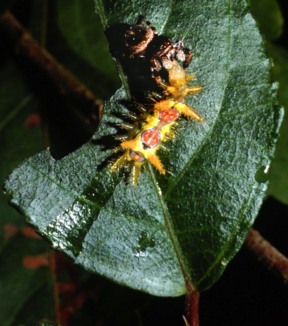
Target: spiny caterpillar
point(155, 65)
point(142, 145)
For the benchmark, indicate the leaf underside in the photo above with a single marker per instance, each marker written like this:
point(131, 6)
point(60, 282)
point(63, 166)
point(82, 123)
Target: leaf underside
point(189, 224)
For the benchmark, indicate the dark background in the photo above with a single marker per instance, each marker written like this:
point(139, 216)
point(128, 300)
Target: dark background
point(247, 293)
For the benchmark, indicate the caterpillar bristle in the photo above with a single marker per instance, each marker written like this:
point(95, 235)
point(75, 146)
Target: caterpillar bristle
point(190, 77)
point(125, 126)
point(118, 164)
point(117, 149)
point(135, 174)
point(167, 138)
point(194, 89)
point(121, 137)
point(131, 116)
point(141, 108)
point(164, 148)
point(154, 97)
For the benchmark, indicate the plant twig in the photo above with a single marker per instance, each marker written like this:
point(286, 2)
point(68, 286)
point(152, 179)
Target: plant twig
point(65, 82)
point(54, 283)
point(192, 306)
point(267, 254)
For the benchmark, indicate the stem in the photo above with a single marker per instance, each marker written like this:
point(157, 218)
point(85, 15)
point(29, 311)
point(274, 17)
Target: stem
point(53, 273)
point(192, 306)
point(267, 254)
point(65, 82)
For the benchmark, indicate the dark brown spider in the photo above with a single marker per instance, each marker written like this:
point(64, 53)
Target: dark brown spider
point(144, 41)
point(145, 56)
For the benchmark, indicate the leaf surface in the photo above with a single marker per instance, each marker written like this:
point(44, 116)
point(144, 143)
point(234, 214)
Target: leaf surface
point(189, 224)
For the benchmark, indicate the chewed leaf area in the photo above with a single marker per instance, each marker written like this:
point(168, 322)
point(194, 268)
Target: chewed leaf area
point(209, 101)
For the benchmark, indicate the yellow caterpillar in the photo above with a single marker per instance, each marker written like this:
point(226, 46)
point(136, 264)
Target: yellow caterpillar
point(142, 146)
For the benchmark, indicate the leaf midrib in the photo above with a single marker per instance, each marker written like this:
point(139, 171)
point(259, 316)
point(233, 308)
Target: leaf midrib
point(232, 236)
point(206, 138)
point(166, 214)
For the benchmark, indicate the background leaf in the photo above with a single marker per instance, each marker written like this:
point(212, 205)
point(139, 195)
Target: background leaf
point(268, 15)
point(279, 169)
point(78, 36)
point(26, 294)
point(270, 20)
point(84, 34)
point(188, 224)
point(24, 274)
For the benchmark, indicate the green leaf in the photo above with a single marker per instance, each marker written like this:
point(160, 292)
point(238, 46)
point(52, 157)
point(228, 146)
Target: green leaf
point(189, 224)
point(80, 29)
point(84, 34)
point(279, 171)
point(268, 15)
point(21, 286)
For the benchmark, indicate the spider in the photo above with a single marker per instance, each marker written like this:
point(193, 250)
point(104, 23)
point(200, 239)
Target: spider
point(144, 42)
point(145, 56)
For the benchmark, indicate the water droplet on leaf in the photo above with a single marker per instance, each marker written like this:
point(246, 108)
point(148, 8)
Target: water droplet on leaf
point(262, 174)
point(144, 242)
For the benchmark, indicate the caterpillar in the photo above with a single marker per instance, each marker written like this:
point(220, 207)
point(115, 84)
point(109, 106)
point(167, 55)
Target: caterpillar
point(158, 127)
point(154, 65)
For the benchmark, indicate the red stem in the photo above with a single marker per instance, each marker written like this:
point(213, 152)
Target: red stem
point(192, 306)
point(267, 254)
point(53, 270)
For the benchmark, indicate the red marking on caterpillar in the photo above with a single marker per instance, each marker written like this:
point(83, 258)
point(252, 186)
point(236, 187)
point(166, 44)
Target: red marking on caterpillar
point(169, 115)
point(150, 138)
point(137, 157)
